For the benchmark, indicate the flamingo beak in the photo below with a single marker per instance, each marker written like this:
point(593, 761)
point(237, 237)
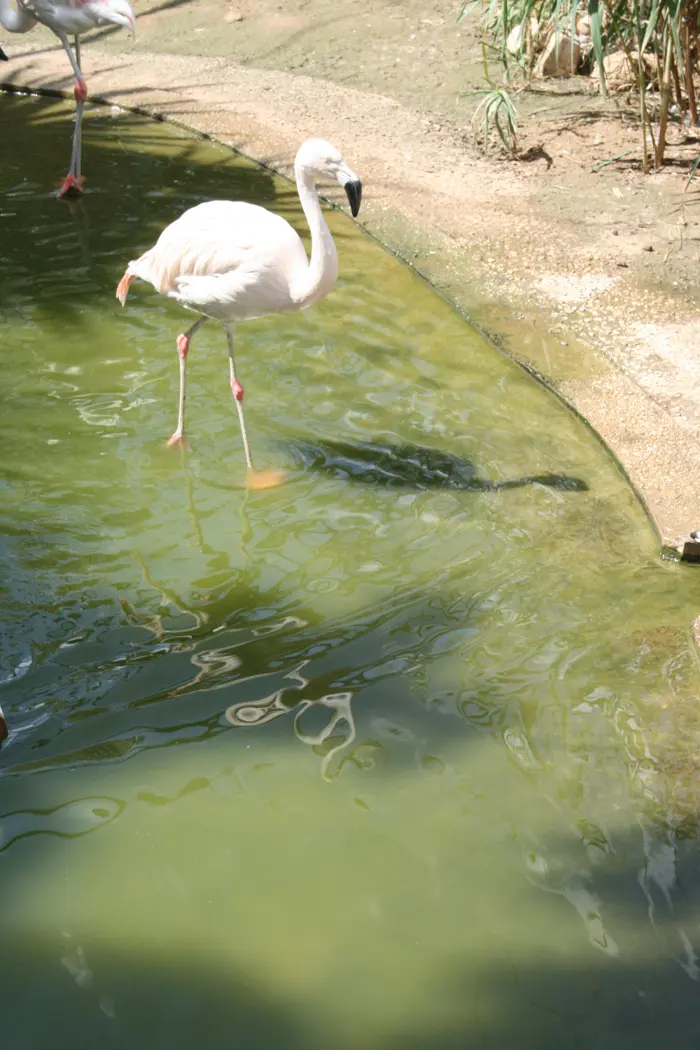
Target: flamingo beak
point(125, 19)
point(3, 56)
point(353, 189)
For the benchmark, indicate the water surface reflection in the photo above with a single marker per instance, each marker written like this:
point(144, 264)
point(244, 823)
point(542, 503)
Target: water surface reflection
point(402, 753)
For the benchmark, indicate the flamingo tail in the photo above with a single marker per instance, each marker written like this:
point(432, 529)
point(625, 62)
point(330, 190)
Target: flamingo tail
point(123, 287)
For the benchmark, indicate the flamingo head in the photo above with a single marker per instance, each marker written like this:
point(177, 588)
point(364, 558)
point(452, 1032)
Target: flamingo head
point(120, 13)
point(320, 160)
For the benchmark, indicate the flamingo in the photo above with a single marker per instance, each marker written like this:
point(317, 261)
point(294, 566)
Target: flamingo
point(69, 18)
point(230, 261)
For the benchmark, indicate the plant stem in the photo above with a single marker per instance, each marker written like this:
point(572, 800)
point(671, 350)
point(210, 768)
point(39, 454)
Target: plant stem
point(665, 96)
point(677, 85)
point(689, 85)
point(642, 105)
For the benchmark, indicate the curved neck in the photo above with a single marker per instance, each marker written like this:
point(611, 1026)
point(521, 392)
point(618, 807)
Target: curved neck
point(322, 271)
point(15, 19)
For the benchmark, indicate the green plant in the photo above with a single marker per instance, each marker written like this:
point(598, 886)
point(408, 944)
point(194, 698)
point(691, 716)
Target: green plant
point(658, 38)
point(496, 110)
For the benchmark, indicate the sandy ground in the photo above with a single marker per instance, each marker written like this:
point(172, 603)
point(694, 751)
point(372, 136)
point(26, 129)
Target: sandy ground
point(591, 279)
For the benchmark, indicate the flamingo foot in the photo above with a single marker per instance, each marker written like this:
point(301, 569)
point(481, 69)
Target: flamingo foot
point(73, 186)
point(177, 440)
point(265, 479)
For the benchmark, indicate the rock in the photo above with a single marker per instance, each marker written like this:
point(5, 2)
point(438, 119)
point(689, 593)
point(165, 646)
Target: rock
point(583, 25)
point(691, 551)
point(621, 73)
point(560, 57)
point(515, 38)
point(233, 16)
point(514, 43)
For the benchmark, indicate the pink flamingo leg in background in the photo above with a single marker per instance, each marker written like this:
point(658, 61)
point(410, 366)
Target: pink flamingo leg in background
point(183, 348)
point(72, 17)
point(74, 182)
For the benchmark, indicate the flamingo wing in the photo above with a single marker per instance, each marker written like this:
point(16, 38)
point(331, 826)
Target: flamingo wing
point(225, 258)
point(79, 16)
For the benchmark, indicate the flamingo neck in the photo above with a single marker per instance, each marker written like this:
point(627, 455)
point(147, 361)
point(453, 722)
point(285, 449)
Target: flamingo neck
point(322, 271)
point(15, 19)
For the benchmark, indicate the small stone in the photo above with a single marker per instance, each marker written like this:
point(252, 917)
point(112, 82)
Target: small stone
point(233, 16)
point(621, 73)
point(648, 248)
point(559, 59)
point(691, 551)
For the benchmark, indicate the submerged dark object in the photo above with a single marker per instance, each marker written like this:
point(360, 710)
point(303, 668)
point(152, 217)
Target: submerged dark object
point(412, 466)
point(691, 547)
point(3, 727)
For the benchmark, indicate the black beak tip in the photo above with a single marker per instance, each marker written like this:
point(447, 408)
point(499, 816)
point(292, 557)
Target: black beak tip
point(3, 56)
point(353, 192)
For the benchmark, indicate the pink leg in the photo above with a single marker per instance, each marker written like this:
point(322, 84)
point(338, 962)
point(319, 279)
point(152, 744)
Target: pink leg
point(237, 391)
point(74, 182)
point(257, 479)
point(183, 348)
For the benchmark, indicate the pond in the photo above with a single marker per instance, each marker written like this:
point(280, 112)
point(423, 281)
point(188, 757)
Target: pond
point(399, 754)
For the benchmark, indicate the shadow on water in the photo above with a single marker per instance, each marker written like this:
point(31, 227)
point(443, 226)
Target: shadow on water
point(158, 991)
point(184, 1002)
point(411, 466)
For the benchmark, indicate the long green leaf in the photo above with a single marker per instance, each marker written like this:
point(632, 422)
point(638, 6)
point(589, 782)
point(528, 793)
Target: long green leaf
point(504, 139)
point(696, 165)
point(468, 7)
point(611, 160)
point(675, 15)
point(651, 24)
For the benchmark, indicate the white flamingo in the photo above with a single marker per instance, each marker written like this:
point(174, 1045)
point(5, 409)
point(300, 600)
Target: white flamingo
point(69, 18)
point(231, 261)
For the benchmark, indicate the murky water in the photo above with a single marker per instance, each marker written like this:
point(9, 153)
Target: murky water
point(401, 754)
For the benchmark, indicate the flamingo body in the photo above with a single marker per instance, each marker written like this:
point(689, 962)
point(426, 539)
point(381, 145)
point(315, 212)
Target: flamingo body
point(232, 261)
point(73, 17)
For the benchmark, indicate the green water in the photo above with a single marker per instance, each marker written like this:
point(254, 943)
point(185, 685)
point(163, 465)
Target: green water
point(399, 755)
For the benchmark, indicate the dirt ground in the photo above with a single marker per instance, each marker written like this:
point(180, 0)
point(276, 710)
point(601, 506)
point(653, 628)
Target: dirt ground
point(588, 277)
